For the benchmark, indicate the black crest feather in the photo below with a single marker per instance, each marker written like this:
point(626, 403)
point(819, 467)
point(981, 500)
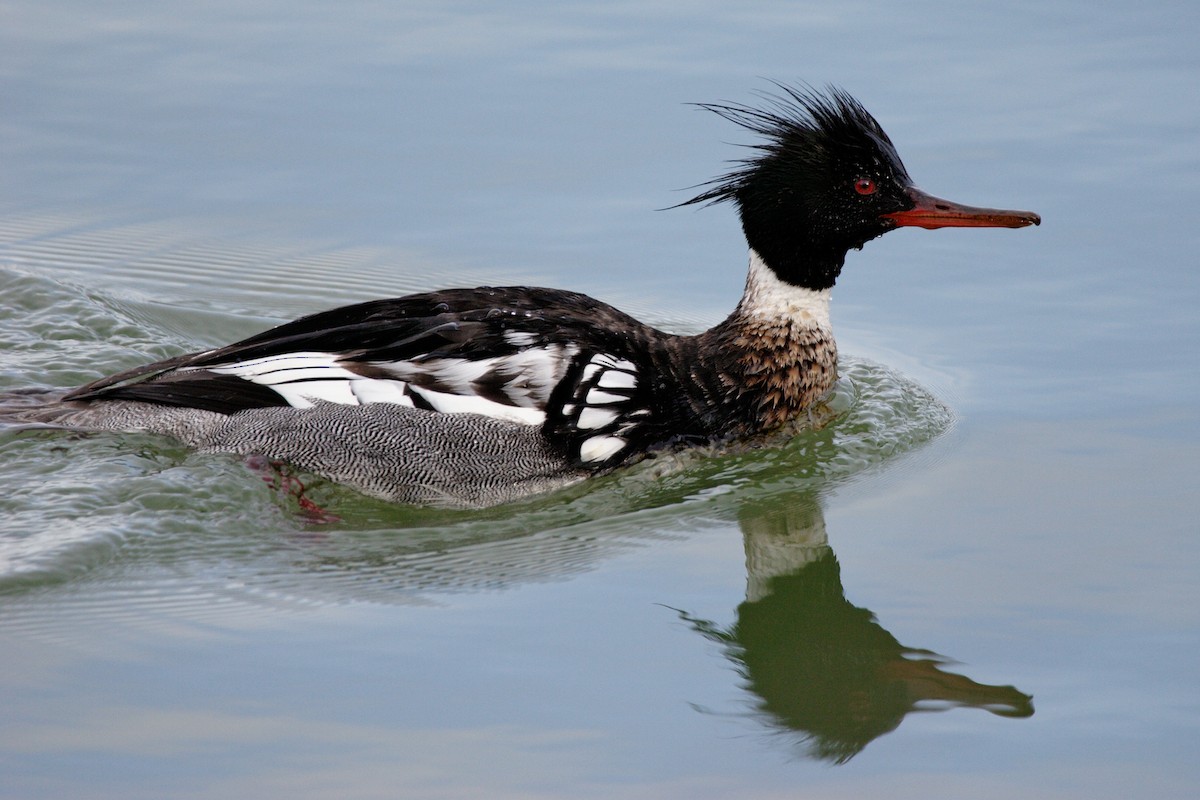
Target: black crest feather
point(800, 126)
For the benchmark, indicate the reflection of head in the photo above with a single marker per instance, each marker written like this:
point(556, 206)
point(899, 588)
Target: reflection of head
point(814, 660)
point(824, 668)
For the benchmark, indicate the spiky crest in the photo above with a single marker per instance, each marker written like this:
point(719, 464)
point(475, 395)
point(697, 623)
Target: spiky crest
point(802, 127)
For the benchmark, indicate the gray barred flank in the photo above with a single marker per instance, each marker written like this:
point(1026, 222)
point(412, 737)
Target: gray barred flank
point(392, 452)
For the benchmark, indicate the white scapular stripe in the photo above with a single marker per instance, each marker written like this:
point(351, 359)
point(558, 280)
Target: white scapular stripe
point(286, 368)
point(367, 390)
point(306, 394)
point(474, 404)
point(303, 379)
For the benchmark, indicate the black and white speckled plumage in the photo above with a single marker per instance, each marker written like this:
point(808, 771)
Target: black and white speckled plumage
point(479, 396)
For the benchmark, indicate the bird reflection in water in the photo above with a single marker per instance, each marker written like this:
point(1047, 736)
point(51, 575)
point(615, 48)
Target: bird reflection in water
point(819, 666)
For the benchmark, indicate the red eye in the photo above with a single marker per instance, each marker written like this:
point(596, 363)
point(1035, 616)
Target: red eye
point(865, 186)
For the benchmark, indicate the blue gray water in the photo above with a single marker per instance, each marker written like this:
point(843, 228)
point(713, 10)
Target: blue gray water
point(979, 581)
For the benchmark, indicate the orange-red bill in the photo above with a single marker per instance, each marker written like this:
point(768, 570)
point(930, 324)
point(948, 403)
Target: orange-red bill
point(933, 212)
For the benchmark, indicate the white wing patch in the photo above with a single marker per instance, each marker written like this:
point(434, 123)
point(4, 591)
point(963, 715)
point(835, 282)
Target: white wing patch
point(303, 379)
point(602, 409)
point(449, 385)
point(528, 376)
point(473, 404)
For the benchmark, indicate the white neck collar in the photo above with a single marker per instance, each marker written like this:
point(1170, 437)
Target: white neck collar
point(769, 297)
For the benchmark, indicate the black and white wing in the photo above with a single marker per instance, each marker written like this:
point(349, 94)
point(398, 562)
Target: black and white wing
point(601, 409)
point(532, 356)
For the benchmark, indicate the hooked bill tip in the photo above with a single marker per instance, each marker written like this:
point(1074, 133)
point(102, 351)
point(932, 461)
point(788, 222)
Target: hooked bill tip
point(931, 212)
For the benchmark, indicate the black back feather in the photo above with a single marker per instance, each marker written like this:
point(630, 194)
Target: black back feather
point(224, 394)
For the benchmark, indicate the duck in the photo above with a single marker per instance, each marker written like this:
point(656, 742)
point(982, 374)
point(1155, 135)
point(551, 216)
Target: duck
point(472, 397)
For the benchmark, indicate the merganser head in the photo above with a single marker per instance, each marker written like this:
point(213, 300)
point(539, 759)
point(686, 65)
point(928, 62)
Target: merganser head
point(827, 179)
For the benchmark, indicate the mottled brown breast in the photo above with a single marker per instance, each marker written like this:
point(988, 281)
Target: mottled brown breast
point(783, 368)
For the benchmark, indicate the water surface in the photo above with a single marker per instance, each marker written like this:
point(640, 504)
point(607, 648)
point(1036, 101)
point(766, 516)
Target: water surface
point(979, 581)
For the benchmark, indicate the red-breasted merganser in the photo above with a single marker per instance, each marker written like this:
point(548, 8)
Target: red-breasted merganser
point(479, 396)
